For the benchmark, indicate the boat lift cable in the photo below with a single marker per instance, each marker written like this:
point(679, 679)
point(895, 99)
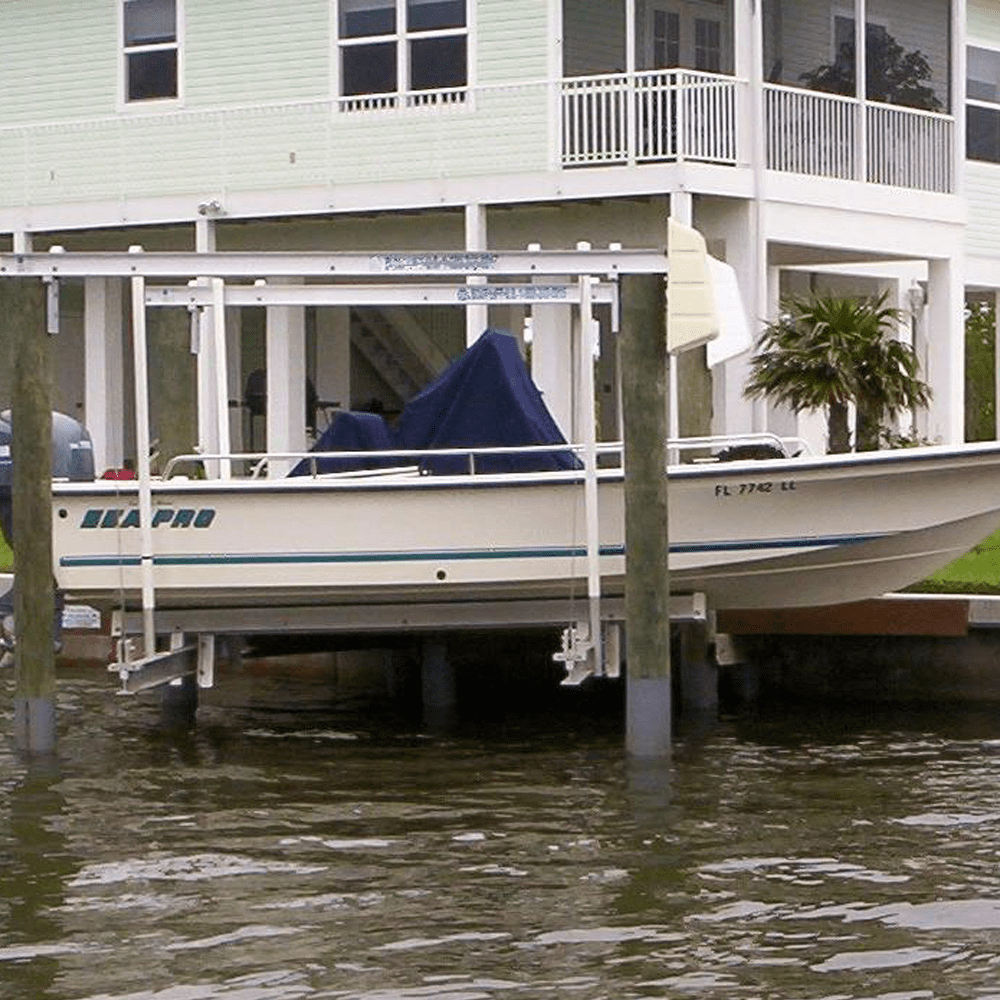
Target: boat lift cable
point(590, 467)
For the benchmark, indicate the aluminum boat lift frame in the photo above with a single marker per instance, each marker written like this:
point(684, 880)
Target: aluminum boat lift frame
point(574, 278)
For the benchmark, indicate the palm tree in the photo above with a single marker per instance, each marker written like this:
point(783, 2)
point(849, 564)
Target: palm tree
point(829, 352)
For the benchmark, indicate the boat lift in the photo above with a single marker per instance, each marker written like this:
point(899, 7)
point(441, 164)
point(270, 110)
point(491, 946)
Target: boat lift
point(578, 279)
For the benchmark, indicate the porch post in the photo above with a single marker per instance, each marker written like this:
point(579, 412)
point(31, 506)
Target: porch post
point(552, 359)
point(104, 392)
point(631, 29)
point(477, 314)
point(203, 337)
point(861, 86)
point(681, 209)
point(333, 356)
point(946, 349)
point(286, 383)
point(959, 34)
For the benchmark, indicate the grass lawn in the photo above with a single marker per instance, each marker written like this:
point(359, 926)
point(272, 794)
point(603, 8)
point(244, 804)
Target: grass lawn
point(977, 572)
point(6, 556)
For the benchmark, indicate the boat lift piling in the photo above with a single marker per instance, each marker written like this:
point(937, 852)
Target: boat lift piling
point(23, 303)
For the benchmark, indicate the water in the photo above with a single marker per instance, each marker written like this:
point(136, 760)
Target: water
point(300, 846)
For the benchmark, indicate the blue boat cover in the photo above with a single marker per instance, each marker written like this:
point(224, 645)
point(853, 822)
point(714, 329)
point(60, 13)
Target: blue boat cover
point(350, 431)
point(485, 398)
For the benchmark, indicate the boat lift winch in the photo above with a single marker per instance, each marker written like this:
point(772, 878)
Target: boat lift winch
point(577, 279)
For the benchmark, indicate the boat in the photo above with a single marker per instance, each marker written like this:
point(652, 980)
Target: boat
point(753, 534)
point(476, 501)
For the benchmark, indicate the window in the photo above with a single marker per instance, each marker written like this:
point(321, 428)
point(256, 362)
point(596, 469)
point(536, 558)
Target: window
point(149, 38)
point(666, 39)
point(688, 34)
point(982, 113)
point(396, 48)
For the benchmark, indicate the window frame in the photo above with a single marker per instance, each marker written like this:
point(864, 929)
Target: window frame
point(404, 95)
point(979, 103)
point(125, 103)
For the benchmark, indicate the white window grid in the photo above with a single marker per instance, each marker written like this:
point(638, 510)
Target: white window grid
point(403, 95)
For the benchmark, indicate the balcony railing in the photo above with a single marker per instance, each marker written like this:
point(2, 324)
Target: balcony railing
point(648, 117)
point(808, 132)
point(671, 115)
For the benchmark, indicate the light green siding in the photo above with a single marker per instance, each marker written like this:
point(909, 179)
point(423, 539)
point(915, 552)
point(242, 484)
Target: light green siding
point(512, 40)
point(243, 51)
point(58, 60)
point(256, 110)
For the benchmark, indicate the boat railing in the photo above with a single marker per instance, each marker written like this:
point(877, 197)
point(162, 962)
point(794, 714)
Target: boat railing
point(609, 455)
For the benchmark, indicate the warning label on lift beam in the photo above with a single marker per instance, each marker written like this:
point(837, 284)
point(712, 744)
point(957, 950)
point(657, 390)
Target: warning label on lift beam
point(420, 262)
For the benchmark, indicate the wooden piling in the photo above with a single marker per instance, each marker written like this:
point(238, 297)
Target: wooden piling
point(645, 374)
point(22, 303)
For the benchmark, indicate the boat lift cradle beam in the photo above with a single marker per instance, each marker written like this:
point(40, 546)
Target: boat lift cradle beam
point(198, 659)
point(277, 264)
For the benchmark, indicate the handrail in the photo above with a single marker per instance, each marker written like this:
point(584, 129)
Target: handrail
point(787, 445)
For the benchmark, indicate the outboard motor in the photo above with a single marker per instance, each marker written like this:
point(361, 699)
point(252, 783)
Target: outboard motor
point(73, 459)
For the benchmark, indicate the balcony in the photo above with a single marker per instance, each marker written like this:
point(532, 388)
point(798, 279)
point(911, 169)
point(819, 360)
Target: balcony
point(673, 115)
point(577, 123)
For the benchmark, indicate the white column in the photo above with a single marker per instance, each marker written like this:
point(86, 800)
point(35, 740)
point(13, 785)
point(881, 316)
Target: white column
point(763, 413)
point(286, 383)
point(104, 388)
point(477, 316)
point(861, 86)
point(203, 344)
point(333, 356)
point(234, 366)
point(552, 361)
point(959, 76)
point(946, 350)
point(681, 209)
point(921, 346)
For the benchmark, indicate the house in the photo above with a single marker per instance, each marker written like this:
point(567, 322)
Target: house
point(817, 144)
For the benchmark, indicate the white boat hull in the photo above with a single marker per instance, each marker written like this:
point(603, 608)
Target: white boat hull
point(781, 533)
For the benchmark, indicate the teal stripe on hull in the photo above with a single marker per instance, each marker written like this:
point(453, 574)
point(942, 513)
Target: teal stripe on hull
point(342, 558)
